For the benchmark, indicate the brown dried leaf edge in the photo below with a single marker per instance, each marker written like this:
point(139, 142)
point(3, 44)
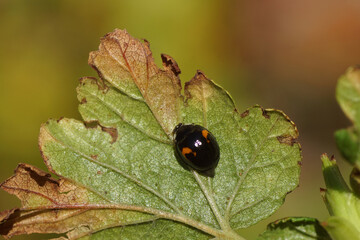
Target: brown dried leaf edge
point(58, 206)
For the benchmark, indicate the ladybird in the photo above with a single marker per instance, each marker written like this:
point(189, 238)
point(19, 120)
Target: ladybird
point(197, 148)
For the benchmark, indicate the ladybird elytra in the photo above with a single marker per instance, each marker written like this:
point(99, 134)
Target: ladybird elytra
point(196, 147)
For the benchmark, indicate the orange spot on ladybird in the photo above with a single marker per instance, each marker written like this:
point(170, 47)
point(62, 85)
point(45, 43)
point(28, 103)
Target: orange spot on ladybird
point(205, 134)
point(186, 150)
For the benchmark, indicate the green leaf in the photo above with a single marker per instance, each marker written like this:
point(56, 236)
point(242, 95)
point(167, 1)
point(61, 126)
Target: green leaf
point(344, 204)
point(341, 229)
point(123, 151)
point(347, 141)
point(348, 94)
point(299, 228)
point(341, 202)
point(340, 199)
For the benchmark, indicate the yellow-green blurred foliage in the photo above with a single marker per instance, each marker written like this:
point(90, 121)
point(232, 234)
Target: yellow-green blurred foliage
point(282, 54)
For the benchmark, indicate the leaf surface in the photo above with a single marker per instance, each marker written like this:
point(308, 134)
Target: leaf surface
point(123, 153)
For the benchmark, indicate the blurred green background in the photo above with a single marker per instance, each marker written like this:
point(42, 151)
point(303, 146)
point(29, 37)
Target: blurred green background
point(279, 54)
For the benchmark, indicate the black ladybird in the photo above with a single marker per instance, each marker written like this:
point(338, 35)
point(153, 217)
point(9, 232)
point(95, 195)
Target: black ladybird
point(197, 148)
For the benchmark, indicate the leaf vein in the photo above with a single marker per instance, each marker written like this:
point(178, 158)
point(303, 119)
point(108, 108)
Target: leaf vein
point(128, 176)
point(120, 115)
point(156, 212)
point(243, 176)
